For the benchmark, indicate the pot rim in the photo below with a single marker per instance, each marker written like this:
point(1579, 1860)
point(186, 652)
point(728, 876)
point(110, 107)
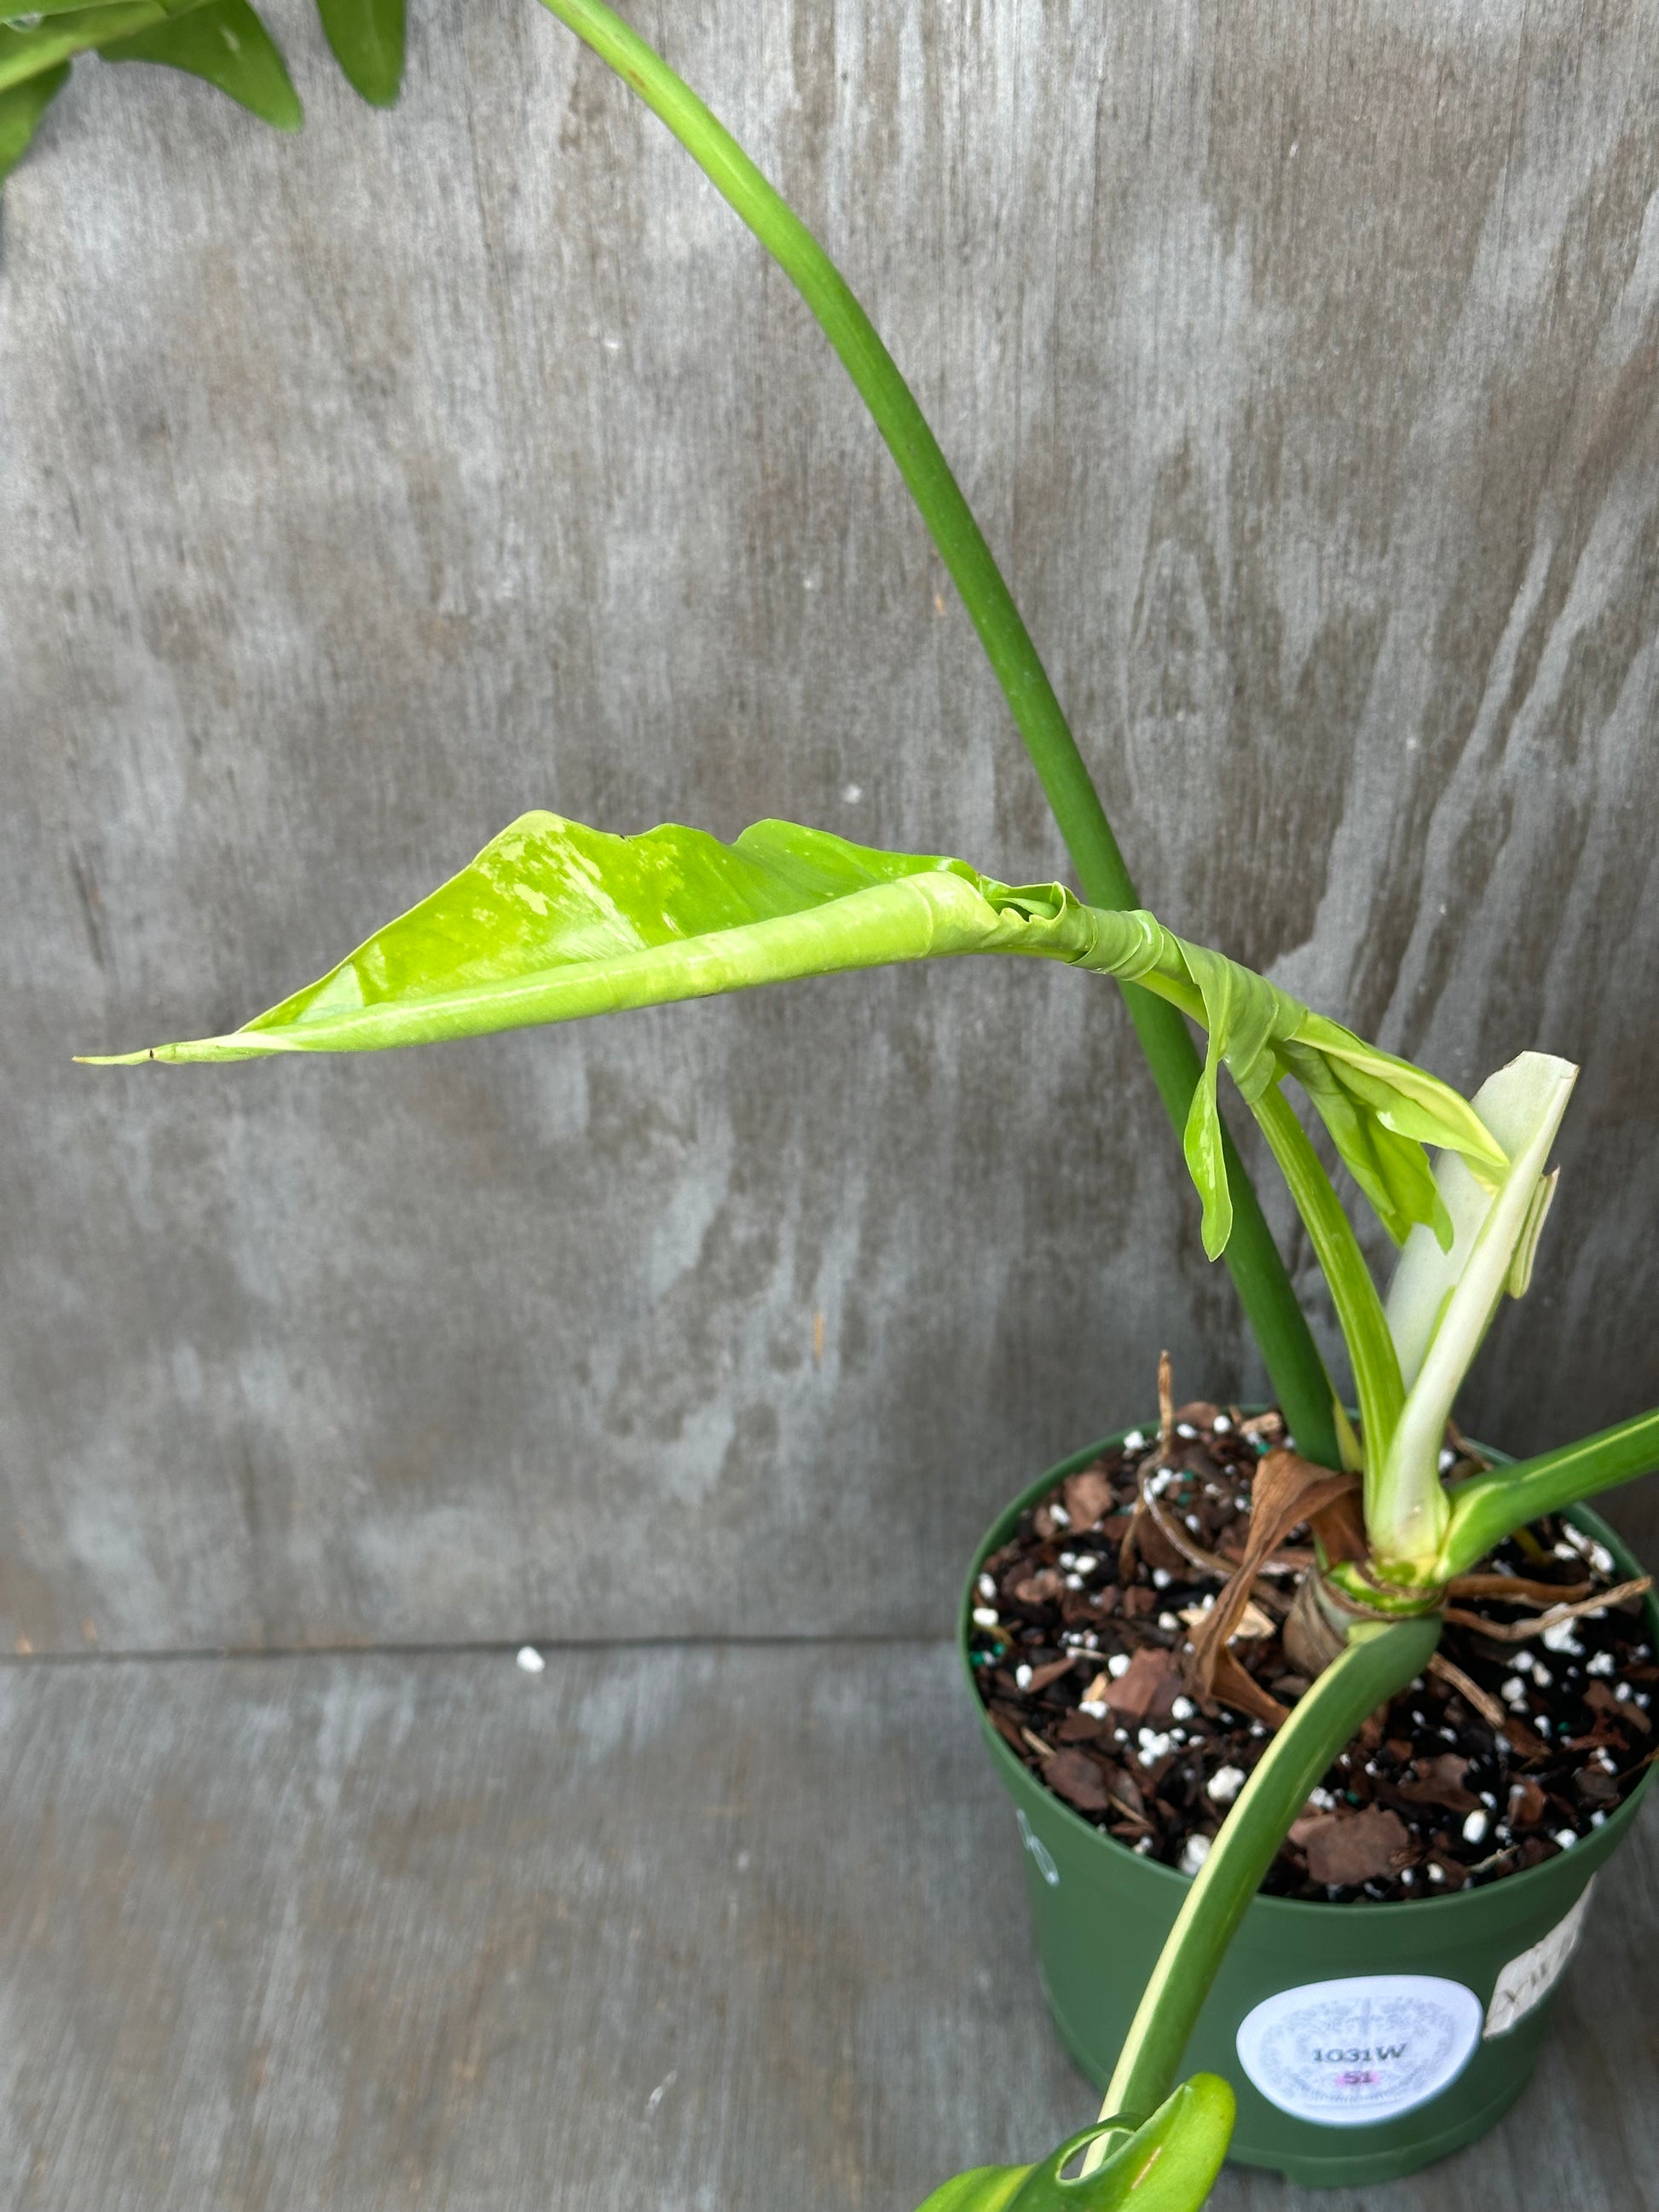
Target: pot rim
point(1511, 1885)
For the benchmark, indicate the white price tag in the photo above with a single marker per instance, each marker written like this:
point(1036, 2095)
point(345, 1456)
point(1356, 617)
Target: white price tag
point(1353, 2051)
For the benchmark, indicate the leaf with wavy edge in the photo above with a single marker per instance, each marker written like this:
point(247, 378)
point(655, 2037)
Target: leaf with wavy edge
point(554, 922)
point(1168, 2165)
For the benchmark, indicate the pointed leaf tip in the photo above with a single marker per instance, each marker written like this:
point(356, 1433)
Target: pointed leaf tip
point(367, 37)
point(227, 46)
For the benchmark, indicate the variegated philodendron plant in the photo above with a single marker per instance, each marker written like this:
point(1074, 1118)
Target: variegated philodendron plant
point(553, 922)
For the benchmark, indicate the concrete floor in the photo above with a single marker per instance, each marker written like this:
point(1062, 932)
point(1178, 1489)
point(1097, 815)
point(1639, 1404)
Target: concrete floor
point(676, 1929)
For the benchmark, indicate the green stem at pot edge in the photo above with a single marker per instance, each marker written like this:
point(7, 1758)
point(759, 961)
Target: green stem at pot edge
point(1489, 1507)
point(1376, 1663)
point(1279, 1326)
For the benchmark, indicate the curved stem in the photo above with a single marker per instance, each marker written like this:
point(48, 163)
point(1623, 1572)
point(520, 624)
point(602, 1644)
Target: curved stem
point(1358, 1308)
point(1277, 1321)
point(1489, 1507)
point(1374, 1665)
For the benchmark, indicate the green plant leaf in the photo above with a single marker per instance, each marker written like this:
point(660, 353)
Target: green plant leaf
point(367, 38)
point(24, 13)
point(21, 108)
point(1168, 2165)
point(226, 44)
point(554, 922)
point(30, 53)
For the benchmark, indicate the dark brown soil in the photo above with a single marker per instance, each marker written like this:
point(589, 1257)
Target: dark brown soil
point(1081, 1674)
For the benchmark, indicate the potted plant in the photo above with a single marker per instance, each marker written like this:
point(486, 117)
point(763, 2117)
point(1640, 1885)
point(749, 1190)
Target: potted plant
point(1283, 1659)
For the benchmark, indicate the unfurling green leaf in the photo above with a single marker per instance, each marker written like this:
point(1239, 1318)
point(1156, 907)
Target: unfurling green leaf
point(1442, 1303)
point(227, 44)
point(553, 922)
point(21, 108)
point(1169, 2165)
point(367, 38)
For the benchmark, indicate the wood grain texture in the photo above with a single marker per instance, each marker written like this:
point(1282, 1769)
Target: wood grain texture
point(357, 492)
point(735, 1928)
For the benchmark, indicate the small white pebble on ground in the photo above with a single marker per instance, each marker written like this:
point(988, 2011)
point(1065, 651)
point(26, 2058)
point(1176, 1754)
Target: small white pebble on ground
point(1600, 1664)
point(1542, 1675)
point(1566, 1838)
point(1144, 1846)
point(1324, 1798)
point(1475, 1827)
point(1448, 1459)
point(1513, 1691)
point(1095, 1708)
point(1621, 1690)
point(1223, 1426)
point(1598, 1819)
point(1135, 1441)
point(1118, 1665)
point(1169, 1620)
point(1068, 1558)
point(986, 1586)
point(1022, 1677)
point(1161, 1578)
point(1060, 1516)
point(1153, 1742)
point(1074, 1581)
point(1186, 1428)
point(1085, 1563)
point(1193, 1852)
point(531, 1660)
point(1560, 1637)
point(1182, 1710)
point(985, 1616)
point(1437, 1874)
point(1225, 1784)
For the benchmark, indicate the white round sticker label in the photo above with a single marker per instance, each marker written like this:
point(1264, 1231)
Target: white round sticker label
point(1351, 2052)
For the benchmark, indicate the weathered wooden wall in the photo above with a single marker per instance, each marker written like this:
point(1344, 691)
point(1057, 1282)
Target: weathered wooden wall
point(356, 493)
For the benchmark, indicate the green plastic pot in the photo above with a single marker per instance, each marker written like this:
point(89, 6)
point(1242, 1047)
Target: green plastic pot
point(1102, 1914)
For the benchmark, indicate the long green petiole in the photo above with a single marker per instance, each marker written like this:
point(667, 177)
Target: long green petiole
point(1252, 1260)
point(1376, 1663)
point(1493, 1506)
point(1359, 1309)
